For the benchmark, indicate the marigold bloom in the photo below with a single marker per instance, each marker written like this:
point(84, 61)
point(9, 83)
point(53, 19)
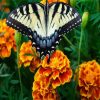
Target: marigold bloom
point(89, 80)
point(28, 56)
point(3, 3)
point(26, 53)
point(58, 69)
point(35, 63)
point(51, 1)
point(42, 89)
point(7, 41)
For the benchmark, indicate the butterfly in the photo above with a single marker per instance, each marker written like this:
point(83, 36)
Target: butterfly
point(44, 25)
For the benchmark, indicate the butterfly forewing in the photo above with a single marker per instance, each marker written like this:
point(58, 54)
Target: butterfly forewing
point(29, 17)
point(64, 18)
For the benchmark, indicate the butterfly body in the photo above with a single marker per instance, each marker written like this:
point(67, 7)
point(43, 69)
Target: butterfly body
point(44, 24)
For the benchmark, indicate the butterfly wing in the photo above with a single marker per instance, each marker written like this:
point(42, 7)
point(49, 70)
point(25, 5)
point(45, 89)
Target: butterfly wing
point(62, 19)
point(29, 20)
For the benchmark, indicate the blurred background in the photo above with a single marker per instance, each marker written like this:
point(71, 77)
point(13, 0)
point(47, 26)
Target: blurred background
point(81, 44)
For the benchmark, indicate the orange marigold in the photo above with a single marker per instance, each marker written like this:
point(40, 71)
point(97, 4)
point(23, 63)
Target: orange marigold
point(3, 7)
point(51, 1)
point(35, 63)
point(58, 69)
point(42, 89)
point(7, 41)
point(89, 80)
point(28, 56)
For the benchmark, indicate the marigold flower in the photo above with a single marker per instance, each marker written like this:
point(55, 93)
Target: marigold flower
point(28, 56)
point(42, 89)
point(89, 80)
point(50, 75)
point(51, 1)
point(35, 63)
point(7, 41)
point(58, 69)
point(3, 4)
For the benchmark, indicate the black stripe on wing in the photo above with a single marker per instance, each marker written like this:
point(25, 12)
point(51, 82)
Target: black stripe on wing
point(55, 10)
point(64, 11)
point(56, 7)
point(14, 19)
point(20, 27)
point(71, 24)
point(34, 8)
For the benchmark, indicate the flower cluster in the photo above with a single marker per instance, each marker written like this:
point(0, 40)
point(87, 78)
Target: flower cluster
point(51, 75)
point(7, 41)
point(89, 80)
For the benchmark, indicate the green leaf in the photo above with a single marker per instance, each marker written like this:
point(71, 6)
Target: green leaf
point(14, 81)
point(4, 75)
point(68, 49)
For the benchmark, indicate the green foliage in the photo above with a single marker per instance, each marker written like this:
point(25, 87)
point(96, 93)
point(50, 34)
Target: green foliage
point(77, 52)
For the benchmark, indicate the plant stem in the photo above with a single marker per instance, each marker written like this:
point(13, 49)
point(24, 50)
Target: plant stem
point(68, 40)
point(2, 14)
point(15, 3)
point(18, 49)
point(80, 43)
point(98, 5)
point(79, 55)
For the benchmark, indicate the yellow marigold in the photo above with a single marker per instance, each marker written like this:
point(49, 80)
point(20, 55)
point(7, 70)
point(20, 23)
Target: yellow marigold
point(89, 80)
point(58, 68)
point(7, 41)
point(28, 56)
point(42, 89)
point(51, 1)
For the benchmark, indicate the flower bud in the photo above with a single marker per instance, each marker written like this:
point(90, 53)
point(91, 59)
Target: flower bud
point(73, 3)
point(85, 19)
point(18, 38)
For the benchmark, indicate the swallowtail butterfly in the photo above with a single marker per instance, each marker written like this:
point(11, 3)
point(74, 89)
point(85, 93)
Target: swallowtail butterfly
point(44, 24)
